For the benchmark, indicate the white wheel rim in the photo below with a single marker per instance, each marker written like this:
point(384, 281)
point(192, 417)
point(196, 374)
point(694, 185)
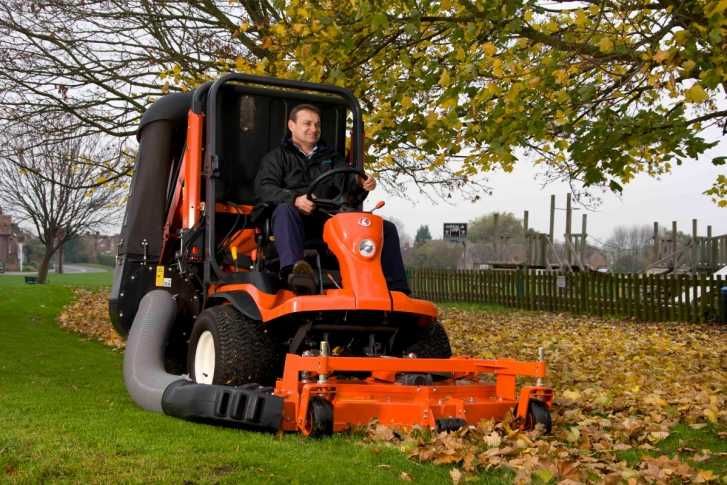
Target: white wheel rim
point(204, 358)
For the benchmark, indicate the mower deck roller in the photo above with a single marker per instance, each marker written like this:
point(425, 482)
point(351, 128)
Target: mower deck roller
point(403, 392)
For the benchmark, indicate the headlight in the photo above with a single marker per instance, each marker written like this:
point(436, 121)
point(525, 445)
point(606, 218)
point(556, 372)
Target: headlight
point(367, 248)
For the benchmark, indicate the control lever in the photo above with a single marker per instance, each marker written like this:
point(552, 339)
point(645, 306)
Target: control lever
point(378, 206)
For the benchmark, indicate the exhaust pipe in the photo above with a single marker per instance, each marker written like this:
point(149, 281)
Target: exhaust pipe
point(154, 389)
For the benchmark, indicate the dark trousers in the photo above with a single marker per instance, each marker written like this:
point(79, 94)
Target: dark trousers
point(291, 229)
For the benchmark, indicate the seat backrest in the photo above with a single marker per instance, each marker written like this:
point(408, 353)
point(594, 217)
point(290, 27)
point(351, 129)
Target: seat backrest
point(254, 121)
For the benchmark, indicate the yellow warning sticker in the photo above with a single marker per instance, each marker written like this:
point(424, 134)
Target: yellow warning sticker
point(160, 276)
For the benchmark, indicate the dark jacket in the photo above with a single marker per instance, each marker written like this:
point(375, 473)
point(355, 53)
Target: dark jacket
point(285, 173)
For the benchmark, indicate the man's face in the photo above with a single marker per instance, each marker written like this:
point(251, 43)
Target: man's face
point(306, 129)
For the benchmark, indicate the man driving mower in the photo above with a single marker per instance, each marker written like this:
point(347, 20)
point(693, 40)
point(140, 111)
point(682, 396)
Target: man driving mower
point(285, 174)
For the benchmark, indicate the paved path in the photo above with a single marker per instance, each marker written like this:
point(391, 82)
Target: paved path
point(67, 268)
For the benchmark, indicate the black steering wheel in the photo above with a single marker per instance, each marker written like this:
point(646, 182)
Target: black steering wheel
point(342, 199)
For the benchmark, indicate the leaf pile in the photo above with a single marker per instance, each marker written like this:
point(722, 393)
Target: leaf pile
point(88, 314)
point(620, 388)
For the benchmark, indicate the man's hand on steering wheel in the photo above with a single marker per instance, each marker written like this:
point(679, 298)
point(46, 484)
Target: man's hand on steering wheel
point(368, 184)
point(304, 204)
point(343, 198)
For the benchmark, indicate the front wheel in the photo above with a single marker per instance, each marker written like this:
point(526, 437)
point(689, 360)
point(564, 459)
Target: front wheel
point(229, 349)
point(431, 342)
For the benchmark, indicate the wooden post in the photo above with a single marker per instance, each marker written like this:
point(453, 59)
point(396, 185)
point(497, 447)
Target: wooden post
point(695, 249)
point(496, 235)
point(712, 245)
point(656, 242)
point(568, 242)
point(528, 248)
point(584, 234)
point(551, 232)
point(674, 245)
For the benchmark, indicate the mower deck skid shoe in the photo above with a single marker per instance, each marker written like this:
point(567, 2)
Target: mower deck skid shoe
point(462, 399)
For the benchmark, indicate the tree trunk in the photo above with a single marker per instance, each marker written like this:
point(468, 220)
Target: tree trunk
point(59, 266)
point(43, 269)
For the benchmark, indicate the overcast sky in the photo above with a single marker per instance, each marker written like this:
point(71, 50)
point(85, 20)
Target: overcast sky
point(676, 197)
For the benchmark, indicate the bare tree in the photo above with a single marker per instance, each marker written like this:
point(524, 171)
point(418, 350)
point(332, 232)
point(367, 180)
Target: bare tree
point(44, 194)
point(628, 249)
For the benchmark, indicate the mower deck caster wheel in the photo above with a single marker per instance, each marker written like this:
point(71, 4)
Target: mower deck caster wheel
point(538, 413)
point(320, 417)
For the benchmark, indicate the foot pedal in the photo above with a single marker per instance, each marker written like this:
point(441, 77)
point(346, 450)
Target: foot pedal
point(302, 283)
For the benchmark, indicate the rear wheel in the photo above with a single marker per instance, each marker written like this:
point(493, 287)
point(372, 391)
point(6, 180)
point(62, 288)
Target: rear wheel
point(227, 348)
point(431, 342)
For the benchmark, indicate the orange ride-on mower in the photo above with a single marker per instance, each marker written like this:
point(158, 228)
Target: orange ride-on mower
point(215, 336)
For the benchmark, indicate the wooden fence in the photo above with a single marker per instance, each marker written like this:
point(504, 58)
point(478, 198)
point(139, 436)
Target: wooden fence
point(689, 298)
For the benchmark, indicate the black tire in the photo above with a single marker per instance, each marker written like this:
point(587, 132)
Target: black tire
point(538, 413)
point(320, 417)
point(431, 342)
point(245, 351)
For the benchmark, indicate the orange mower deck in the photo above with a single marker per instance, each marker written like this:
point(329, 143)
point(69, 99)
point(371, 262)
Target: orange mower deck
point(462, 398)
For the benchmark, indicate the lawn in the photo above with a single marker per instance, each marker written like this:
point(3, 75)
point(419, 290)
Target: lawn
point(66, 417)
point(634, 400)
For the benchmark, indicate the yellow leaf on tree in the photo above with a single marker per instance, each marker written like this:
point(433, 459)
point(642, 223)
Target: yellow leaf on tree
point(681, 36)
point(561, 76)
point(662, 56)
point(605, 45)
point(688, 66)
point(489, 49)
point(581, 18)
point(444, 79)
point(696, 94)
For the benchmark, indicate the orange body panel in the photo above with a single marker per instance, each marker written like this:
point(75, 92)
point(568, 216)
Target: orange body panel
point(192, 170)
point(286, 302)
point(358, 401)
point(356, 239)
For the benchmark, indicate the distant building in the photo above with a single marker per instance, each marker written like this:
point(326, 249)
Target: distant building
point(8, 244)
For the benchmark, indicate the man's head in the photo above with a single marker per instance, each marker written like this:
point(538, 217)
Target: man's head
point(304, 123)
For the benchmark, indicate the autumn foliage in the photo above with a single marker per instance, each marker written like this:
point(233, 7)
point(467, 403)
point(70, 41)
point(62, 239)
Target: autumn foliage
point(621, 387)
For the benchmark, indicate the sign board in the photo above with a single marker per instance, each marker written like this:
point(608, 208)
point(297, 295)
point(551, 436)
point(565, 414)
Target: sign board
point(560, 281)
point(455, 231)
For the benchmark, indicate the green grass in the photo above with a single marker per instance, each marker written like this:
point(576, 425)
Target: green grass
point(79, 280)
point(66, 417)
point(685, 442)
